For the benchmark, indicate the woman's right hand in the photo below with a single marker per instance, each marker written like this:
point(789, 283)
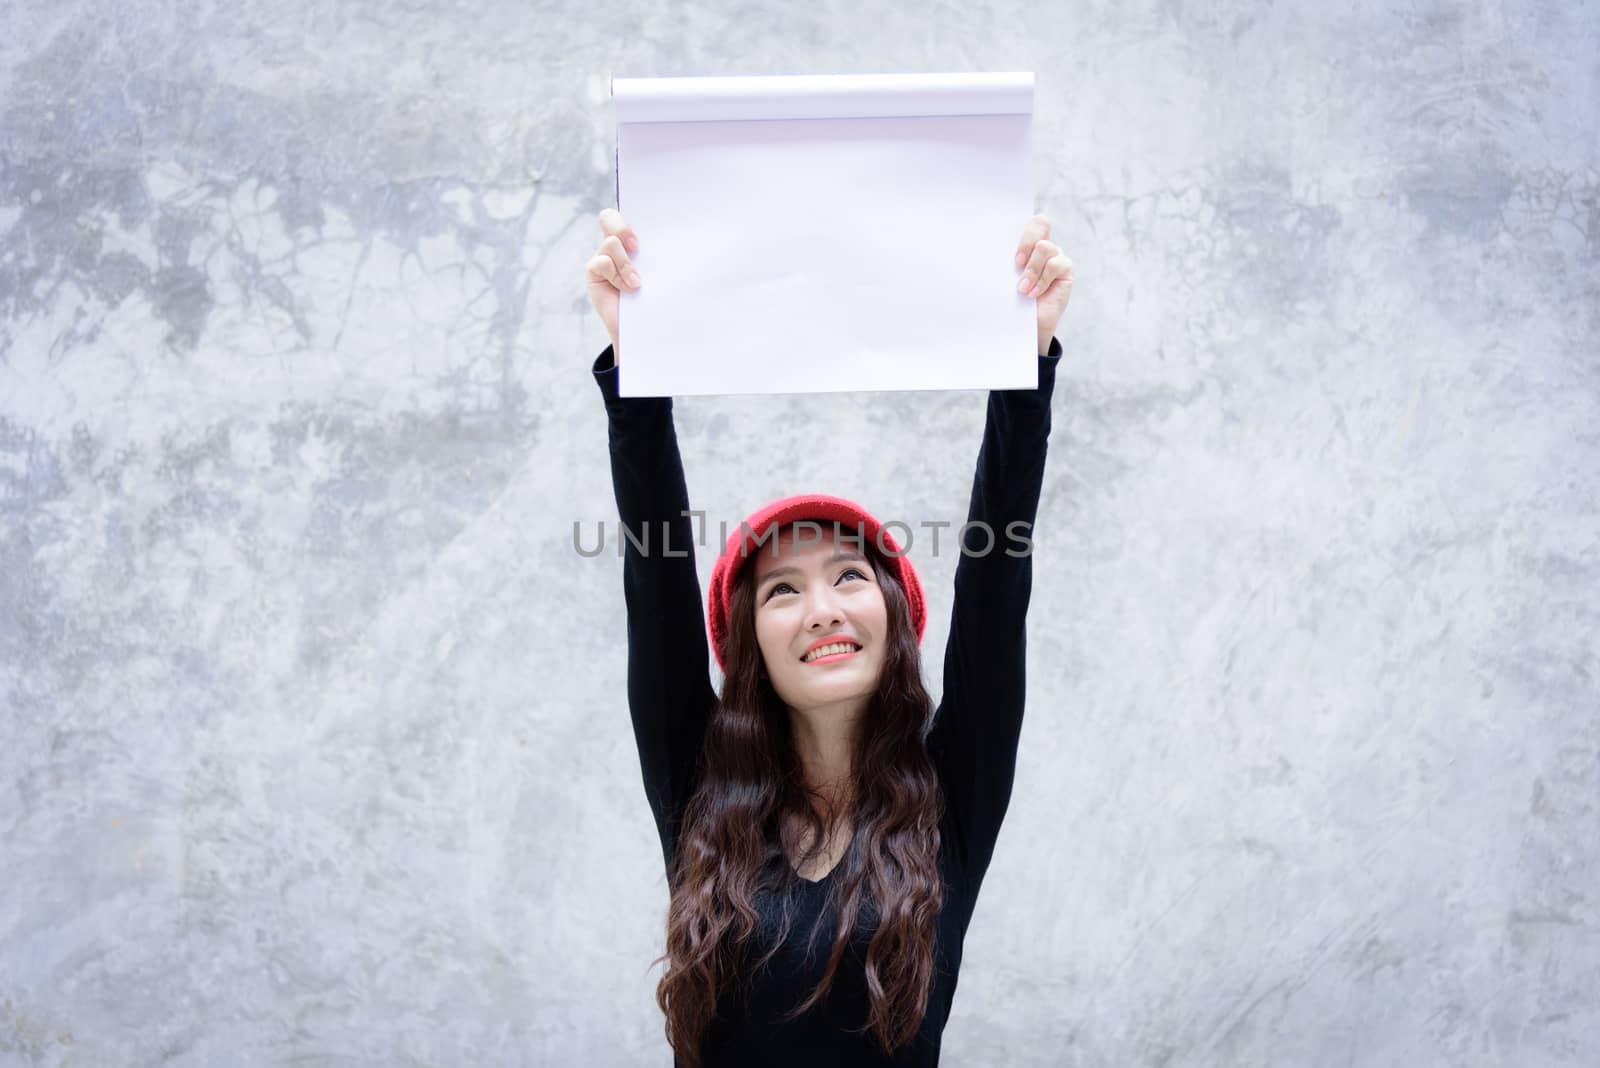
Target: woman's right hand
point(610, 271)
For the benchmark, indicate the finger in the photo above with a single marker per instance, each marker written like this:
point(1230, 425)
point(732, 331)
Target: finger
point(611, 247)
point(1036, 229)
point(602, 269)
point(612, 225)
point(1057, 268)
point(1042, 252)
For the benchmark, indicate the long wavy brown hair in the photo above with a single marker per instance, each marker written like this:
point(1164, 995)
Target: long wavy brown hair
point(752, 785)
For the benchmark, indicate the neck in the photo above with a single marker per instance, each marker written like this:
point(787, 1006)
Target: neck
point(824, 740)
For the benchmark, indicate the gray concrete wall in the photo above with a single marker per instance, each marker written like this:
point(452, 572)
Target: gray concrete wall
point(313, 744)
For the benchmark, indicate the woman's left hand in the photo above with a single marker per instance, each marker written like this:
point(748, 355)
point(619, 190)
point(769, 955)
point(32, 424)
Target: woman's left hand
point(1046, 276)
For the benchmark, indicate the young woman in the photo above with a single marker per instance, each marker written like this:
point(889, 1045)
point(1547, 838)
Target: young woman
point(824, 846)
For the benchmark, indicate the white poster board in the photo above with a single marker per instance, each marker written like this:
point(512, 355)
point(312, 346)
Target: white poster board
point(825, 233)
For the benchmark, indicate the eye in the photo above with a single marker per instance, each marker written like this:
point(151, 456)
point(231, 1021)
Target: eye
point(785, 586)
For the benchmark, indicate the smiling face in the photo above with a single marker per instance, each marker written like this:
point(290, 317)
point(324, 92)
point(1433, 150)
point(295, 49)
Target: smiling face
point(811, 586)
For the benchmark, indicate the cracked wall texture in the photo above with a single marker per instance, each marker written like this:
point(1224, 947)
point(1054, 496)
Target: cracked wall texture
point(313, 747)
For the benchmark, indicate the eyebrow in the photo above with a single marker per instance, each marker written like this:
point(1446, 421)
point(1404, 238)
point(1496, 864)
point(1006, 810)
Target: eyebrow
point(842, 554)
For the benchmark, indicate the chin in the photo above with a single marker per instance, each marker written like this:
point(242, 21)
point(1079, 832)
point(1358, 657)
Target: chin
point(827, 689)
point(839, 690)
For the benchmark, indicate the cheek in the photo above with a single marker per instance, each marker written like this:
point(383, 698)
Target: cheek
point(878, 612)
point(770, 633)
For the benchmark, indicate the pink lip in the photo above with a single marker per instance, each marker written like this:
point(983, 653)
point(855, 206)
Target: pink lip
point(830, 659)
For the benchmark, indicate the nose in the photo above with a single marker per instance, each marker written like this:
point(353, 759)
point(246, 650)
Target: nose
point(822, 609)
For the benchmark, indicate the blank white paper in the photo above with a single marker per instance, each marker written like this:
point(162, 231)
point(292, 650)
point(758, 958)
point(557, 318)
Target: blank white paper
point(825, 233)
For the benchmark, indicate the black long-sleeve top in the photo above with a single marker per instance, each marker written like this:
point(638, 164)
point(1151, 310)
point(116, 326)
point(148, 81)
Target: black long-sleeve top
point(972, 743)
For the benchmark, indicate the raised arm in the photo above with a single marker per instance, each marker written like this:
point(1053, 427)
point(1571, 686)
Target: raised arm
point(973, 741)
point(669, 684)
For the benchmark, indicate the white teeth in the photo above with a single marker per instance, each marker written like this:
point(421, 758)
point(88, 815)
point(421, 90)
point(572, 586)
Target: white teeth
point(829, 650)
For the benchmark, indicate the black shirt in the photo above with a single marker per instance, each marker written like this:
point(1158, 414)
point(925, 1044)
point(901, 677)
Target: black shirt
point(973, 740)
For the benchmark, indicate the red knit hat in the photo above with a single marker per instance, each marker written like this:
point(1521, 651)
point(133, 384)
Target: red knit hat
point(853, 520)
